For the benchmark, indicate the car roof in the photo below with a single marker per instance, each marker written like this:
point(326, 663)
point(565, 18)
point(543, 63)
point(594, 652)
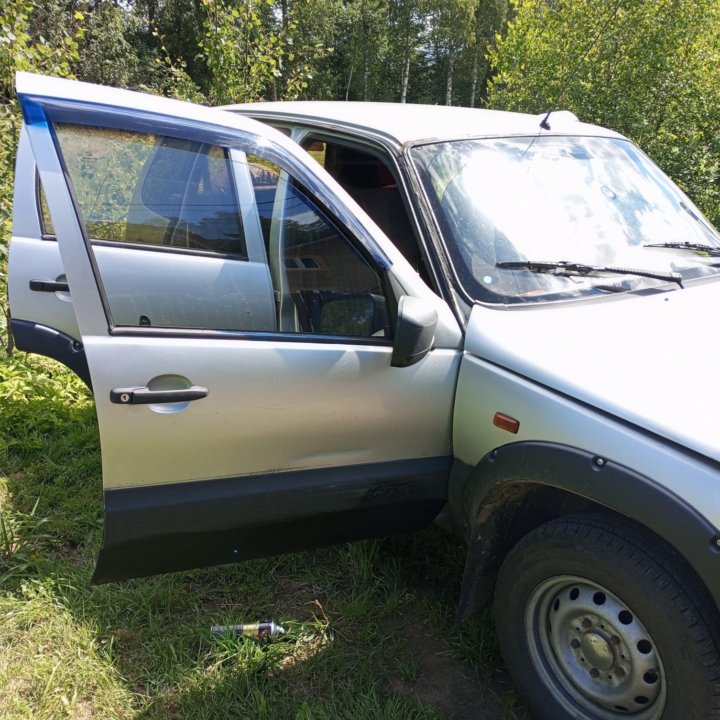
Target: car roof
point(401, 123)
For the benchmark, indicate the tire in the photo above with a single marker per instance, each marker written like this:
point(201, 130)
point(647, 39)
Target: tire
point(598, 621)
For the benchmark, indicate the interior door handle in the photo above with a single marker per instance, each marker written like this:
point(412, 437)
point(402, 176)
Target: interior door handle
point(49, 286)
point(145, 396)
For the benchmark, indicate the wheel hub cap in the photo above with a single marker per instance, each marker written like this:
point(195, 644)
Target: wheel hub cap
point(593, 652)
point(596, 647)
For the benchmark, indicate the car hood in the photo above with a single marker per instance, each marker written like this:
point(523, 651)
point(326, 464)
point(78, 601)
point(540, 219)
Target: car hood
point(650, 360)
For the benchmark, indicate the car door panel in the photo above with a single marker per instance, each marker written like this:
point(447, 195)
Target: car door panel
point(311, 439)
point(32, 260)
point(275, 486)
point(271, 406)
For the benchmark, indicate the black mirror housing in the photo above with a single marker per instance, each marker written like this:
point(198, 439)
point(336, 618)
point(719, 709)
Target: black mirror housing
point(414, 331)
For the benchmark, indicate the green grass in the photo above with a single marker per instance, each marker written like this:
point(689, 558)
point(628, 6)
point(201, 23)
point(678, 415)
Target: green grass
point(370, 625)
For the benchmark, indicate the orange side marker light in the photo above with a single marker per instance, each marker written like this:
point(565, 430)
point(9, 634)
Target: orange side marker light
point(505, 422)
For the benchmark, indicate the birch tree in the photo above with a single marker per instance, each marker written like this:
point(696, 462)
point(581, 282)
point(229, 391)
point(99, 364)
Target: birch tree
point(452, 25)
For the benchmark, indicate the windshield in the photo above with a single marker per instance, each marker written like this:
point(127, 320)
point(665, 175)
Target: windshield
point(591, 200)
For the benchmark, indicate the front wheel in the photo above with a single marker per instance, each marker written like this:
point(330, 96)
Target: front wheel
point(597, 623)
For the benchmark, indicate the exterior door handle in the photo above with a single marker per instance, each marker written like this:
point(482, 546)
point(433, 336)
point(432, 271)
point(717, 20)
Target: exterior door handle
point(145, 396)
point(49, 286)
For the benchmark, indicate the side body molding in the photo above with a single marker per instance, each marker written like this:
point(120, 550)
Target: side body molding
point(522, 485)
point(164, 528)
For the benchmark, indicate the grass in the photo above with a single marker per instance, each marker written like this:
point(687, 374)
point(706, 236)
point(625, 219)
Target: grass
point(370, 625)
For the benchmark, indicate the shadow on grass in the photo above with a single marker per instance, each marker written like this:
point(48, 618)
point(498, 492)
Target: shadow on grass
point(370, 625)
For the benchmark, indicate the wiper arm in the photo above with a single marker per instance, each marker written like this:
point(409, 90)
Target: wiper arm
point(566, 268)
point(692, 246)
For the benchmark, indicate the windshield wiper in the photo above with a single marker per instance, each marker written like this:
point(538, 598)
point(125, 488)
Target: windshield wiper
point(566, 268)
point(692, 246)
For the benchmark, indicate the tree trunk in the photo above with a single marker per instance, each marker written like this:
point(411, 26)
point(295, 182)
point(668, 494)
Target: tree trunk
point(474, 79)
point(347, 87)
point(405, 77)
point(366, 78)
point(449, 88)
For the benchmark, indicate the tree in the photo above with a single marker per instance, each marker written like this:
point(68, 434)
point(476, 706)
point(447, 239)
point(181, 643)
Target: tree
point(311, 27)
point(490, 20)
point(250, 52)
point(105, 55)
point(361, 50)
point(173, 28)
point(406, 21)
point(452, 24)
point(650, 70)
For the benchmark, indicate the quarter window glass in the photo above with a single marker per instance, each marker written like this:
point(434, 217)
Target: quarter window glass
point(317, 150)
point(322, 283)
point(46, 222)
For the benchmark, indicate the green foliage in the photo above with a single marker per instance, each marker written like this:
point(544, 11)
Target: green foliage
point(363, 47)
point(21, 534)
point(172, 77)
point(34, 396)
point(31, 393)
point(451, 33)
point(313, 37)
point(407, 20)
point(19, 50)
point(650, 70)
point(249, 54)
point(173, 29)
point(490, 19)
point(107, 57)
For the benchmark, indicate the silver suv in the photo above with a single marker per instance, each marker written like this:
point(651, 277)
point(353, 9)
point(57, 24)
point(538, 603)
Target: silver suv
point(433, 314)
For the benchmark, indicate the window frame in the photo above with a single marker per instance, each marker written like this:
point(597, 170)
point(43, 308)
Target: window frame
point(374, 255)
point(394, 164)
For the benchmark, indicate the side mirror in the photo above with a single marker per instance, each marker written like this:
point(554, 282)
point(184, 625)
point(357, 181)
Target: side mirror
point(414, 331)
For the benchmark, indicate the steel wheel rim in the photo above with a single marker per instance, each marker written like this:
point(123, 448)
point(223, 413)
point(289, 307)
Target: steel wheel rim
point(593, 652)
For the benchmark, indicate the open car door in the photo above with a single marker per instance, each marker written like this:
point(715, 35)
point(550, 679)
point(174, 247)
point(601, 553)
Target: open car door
point(238, 322)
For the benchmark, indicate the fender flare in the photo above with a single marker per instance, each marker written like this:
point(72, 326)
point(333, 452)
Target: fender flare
point(498, 485)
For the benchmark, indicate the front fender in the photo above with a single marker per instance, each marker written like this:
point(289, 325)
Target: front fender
point(521, 485)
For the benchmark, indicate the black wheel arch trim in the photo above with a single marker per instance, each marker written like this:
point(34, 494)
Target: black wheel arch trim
point(484, 497)
point(40, 339)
